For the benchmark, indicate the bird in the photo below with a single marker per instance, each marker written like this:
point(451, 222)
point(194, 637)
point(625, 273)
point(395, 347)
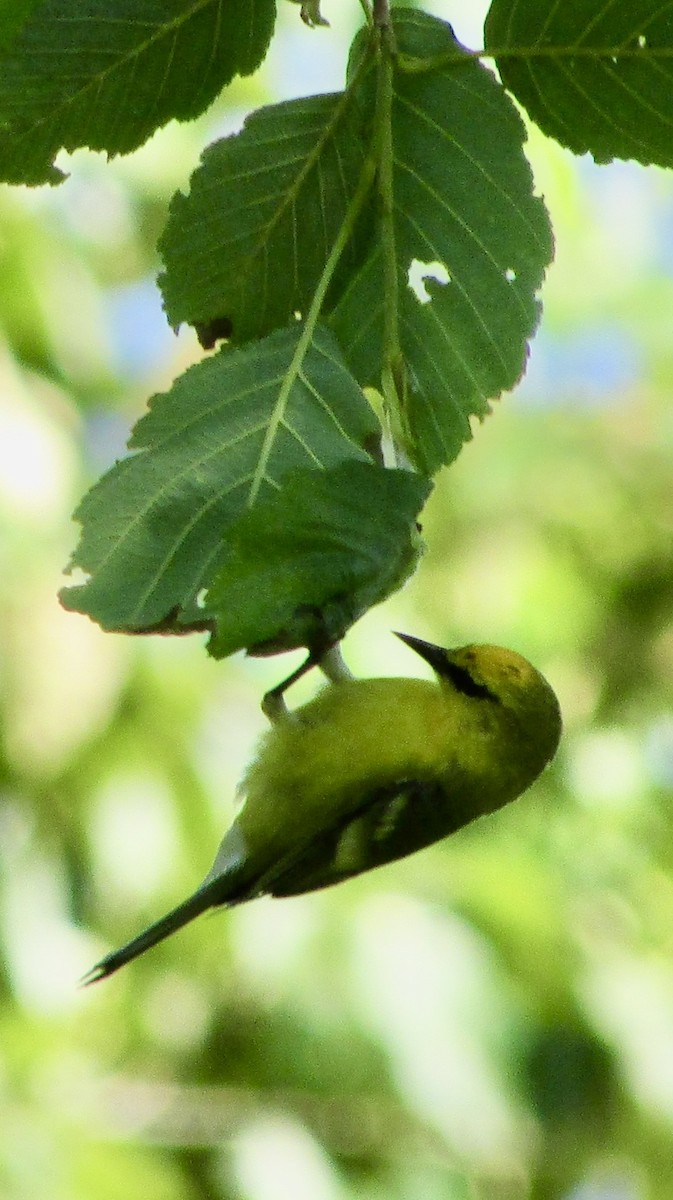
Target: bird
point(372, 770)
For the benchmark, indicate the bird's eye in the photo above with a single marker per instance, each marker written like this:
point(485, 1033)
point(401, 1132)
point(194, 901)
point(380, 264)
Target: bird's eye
point(515, 671)
point(463, 682)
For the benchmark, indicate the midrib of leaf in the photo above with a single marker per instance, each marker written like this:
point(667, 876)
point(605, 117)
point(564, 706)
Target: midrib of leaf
point(576, 50)
point(170, 29)
point(367, 175)
point(277, 418)
point(292, 196)
point(293, 373)
point(648, 55)
point(391, 384)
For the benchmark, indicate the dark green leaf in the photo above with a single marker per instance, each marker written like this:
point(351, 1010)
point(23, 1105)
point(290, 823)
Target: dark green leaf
point(250, 241)
point(598, 78)
point(464, 210)
point(247, 247)
point(315, 556)
point(13, 14)
point(221, 440)
point(107, 73)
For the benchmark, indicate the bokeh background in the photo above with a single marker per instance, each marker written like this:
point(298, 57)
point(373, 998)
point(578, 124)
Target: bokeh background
point(492, 1019)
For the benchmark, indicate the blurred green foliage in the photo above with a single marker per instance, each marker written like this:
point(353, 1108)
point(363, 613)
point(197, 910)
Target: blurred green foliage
point(491, 1019)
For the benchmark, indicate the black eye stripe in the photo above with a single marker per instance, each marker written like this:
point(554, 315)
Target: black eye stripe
point(463, 682)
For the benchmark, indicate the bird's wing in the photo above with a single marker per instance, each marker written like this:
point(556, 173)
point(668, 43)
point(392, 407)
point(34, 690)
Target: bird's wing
point(393, 821)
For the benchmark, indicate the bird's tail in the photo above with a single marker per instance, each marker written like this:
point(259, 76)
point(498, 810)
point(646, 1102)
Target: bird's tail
point(208, 895)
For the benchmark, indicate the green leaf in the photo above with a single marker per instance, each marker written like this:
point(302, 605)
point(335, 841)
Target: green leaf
point(598, 78)
point(13, 15)
point(223, 438)
point(107, 73)
point(308, 561)
point(463, 211)
point(248, 244)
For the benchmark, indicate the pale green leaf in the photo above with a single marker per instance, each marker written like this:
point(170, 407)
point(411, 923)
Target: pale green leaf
point(223, 439)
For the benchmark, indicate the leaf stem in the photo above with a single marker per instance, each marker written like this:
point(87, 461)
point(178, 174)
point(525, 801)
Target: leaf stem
point(392, 374)
point(365, 182)
point(382, 14)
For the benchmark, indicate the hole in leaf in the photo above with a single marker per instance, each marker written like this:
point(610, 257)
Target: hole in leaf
point(77, 577)
point(419, 272)
point(510, 275)
point(642, 41)
point(211, 332)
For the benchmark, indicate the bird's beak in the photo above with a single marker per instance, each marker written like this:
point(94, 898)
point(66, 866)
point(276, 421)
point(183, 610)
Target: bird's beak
point(434, 655)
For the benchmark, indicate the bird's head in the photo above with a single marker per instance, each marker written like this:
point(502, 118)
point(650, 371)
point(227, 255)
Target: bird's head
point(493, 674)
